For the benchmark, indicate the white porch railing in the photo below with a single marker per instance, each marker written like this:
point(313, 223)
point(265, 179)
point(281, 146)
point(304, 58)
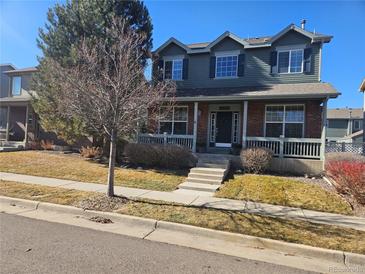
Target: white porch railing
point(164, 139)
point(288, 147)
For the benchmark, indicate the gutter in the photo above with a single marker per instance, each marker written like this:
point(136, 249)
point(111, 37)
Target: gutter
point(257, 97)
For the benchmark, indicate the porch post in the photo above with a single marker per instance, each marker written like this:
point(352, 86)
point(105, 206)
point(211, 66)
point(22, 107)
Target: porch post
point(244, 123)
point(7, 124)
point(324, 128)
point(195, 129)
point(26, 125)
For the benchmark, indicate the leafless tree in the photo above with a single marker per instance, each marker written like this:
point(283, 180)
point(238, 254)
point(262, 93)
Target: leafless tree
point(106, 88)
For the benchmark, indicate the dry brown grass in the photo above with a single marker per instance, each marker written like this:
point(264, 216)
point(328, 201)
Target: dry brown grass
point(281, 191)
point(73, 167)
point(302, 232)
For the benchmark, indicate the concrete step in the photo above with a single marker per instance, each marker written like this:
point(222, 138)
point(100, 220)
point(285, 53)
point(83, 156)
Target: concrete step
point(210, 171)
point(212, 165)
point(199, 187)
point(204, 181)
point(207, 176)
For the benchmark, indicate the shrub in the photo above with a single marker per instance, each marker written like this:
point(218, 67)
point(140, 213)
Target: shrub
point(47, 144)
point(256, 160)
point(154, 155)
point(34, 145)
point(91, 152)
point(349, 177)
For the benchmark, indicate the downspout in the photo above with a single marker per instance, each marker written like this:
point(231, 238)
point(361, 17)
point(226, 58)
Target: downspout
point(320, 62)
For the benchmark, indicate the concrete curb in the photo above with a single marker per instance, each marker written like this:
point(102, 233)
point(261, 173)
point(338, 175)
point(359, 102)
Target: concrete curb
point(330, 256)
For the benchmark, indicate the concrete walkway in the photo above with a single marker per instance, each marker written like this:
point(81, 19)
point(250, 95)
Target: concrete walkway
point(195, 199)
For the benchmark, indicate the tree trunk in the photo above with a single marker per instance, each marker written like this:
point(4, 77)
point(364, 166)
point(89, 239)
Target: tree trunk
point(112, 153)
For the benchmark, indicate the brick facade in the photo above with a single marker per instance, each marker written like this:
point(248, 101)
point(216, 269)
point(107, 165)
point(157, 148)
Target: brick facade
point(255, 120)
point(313, 117)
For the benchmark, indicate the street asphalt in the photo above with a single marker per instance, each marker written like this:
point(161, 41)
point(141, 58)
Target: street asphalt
point(34, 246)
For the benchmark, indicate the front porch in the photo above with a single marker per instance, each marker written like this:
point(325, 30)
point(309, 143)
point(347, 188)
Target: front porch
point(290, 128)
point(16, 125)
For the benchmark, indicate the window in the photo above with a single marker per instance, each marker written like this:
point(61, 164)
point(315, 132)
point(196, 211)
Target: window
point(16, 85)
point(290, 61)
point(174, 69)
point(357, 124)
point(175, 121)
point(226, 66)
point(286, 120)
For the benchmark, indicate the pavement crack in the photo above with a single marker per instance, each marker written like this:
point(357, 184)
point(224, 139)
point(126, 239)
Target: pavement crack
point(194, 200)
point(149, 233)
point(344, 259)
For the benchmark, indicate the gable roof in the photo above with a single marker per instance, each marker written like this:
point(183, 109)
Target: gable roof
point(247, 43)
point(344, 113)
point(362, 86)
point(315, 37)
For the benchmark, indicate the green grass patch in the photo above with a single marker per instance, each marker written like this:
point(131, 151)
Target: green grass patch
point(73, 167)
point(295, 231)
point(281, 191)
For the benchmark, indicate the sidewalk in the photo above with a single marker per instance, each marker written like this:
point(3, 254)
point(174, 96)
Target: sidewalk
point(201, 201)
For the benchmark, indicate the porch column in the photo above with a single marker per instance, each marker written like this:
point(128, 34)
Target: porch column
point(7, 124)
point(195, 129)
point(244, 123)
point(26, 125)
point(324, 128)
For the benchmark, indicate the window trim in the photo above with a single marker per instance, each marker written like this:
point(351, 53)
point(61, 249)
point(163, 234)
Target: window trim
point(12, 85)
point(284, 122)
point(172, 121)
point(225, 54)
point(173, 59)
point(289, 65)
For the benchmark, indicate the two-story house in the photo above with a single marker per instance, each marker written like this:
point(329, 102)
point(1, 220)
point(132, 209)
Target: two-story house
point(238, 92)
point(18, 123)
point(344, 124)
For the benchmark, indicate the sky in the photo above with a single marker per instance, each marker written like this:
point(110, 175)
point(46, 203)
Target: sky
point(343, 60)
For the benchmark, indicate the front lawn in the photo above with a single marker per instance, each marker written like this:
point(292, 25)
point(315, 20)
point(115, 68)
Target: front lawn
point(73, 167)
point(282, 191)
point(295, 231)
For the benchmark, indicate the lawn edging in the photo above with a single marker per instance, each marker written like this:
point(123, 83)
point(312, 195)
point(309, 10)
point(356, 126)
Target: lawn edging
point(345, 259)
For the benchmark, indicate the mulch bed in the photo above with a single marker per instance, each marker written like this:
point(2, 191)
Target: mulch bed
point(102, 202)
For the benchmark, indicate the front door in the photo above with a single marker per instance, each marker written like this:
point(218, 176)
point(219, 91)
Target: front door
point(223, 135)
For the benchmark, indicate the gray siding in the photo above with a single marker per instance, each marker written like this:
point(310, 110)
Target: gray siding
point(257, 66)
point(4, 85)
point(337, 128)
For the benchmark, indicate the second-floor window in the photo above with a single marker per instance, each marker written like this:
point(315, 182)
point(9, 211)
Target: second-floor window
point(173, 69)
point(16, 85)
point(290, 61)
point(226, 66)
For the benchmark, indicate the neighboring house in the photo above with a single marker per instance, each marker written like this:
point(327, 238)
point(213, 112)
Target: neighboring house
point(18, 123)
point(362, 89)
point(343, 122)
point(235, 92)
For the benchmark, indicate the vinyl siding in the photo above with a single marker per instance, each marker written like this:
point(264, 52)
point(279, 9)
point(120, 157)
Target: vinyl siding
point(337, 128)
point(257, 67)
